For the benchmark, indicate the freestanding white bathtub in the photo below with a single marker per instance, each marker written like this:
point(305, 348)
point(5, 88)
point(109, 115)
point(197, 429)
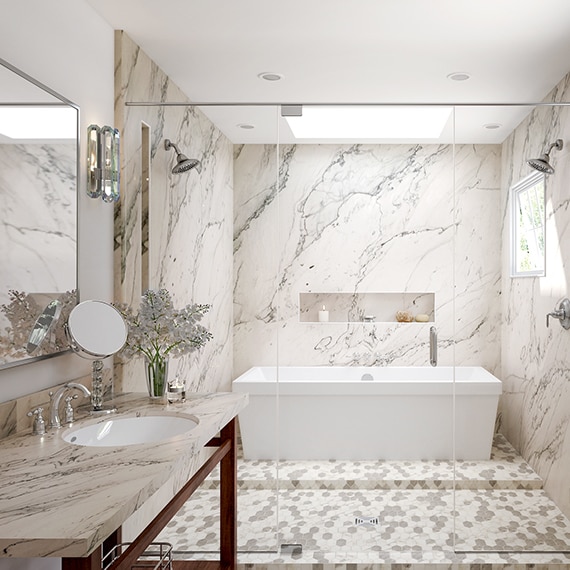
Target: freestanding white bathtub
point(368, 413)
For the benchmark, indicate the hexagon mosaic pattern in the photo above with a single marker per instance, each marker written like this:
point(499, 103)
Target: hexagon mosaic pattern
point(382, 513)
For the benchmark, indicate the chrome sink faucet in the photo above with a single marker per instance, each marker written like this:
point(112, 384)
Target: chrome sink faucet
point(54, 419)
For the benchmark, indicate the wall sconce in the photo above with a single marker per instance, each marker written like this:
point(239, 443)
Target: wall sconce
point(103, 163)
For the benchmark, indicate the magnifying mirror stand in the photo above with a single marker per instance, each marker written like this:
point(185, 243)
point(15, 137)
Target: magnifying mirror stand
point(97, 390)
point(96, 330)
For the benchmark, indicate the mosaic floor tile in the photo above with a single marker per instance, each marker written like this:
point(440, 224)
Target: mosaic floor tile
point(413, 525)
point(374, 515)
point(505, 470)
point(509, 520)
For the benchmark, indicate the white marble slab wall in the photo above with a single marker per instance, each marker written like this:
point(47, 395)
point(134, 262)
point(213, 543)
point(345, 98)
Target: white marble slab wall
point(191, 217)
point(366, 218)
point(38, 189)
point(535, 359)
point(37, 229)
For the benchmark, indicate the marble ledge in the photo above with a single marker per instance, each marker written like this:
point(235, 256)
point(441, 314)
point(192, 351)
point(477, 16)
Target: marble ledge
point(63, 500)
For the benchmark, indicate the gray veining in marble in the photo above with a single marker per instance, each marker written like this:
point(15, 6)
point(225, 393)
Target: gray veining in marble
point(37, 227)
point(535, 364)
point(190, 228)
point(59, 499)
point(366, 218)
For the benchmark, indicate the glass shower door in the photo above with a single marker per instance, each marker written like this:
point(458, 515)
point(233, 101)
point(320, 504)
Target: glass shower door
point(256, 328)
point(512, 498)
point(366, 269)
point(213, 239)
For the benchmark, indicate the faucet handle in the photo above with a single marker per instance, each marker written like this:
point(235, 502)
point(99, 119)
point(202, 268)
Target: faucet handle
point(38, 425)
point(69, 411)
point(562, 313)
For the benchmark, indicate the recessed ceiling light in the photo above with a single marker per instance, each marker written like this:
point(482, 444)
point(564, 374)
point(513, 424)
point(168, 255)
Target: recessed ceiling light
point(368, 122)
point(270, 76)
point(246, 126)
point(459, 76)
point(492, 126)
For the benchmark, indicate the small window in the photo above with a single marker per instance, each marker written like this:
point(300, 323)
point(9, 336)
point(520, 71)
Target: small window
point(527, 226)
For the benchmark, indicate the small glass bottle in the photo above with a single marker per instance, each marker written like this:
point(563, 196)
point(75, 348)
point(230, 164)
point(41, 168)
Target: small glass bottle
point(176, 391)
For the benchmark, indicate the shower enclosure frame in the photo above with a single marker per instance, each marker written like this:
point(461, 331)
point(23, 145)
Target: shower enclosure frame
point(455, 106)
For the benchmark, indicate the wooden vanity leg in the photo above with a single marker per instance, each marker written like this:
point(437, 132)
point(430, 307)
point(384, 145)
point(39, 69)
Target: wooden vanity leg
point(91, 562)
point(109, 543)
point(228, 499)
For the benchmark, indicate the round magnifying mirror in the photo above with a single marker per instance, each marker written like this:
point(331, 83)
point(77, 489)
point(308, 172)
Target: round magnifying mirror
point(96, 330)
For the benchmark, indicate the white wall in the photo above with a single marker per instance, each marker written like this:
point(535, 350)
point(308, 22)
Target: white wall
point(69, 48)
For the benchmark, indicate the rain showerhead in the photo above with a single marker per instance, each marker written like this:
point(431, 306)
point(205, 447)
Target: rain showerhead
point(542, 164)
point(183, 163)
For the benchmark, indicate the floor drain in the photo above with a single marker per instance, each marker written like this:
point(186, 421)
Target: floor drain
point(367, 521)
point(293, 549)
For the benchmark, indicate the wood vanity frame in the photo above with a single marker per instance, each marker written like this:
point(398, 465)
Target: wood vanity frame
point(226, 456)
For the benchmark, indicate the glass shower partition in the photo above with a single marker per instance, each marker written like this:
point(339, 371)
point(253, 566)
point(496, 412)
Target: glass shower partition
point(256, 321)
point(210, 235)
point(371, 279)
point(511, 271)
point(366, 226)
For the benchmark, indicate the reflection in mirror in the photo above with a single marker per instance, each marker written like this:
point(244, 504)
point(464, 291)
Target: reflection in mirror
point(95, 331)
point(44, 323)
point(38, 179)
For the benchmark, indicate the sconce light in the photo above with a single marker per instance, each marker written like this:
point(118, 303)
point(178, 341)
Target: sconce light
point(103, 163)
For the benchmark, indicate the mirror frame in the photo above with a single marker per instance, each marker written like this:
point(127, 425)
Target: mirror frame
point(66, 101)
point(78, 344)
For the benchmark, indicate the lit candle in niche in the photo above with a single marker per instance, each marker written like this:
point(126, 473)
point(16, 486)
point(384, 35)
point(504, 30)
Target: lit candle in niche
point(323, 315)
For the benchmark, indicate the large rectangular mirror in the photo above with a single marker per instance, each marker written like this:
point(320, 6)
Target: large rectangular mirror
point(38, 201)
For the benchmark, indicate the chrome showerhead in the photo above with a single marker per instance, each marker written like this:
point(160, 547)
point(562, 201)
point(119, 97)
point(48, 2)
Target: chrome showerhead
point(542, 164)
point(183, 163)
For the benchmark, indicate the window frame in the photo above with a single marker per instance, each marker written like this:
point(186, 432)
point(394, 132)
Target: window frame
point(515, 192)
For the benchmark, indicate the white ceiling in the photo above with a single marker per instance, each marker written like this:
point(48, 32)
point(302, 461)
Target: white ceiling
point(359, 51)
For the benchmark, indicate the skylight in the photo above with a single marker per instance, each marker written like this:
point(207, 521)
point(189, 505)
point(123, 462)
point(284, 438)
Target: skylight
point(30, 122)
point(370, 122)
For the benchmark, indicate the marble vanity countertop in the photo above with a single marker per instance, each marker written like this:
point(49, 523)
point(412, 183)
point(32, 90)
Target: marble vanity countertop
point(62, 500)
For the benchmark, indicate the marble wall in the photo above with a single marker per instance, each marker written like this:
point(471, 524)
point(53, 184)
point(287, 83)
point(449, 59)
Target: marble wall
point(351, 219)
point(38, 237)
point(361, 219)
point(38, 240)
point(535, 361)
point(190, 222)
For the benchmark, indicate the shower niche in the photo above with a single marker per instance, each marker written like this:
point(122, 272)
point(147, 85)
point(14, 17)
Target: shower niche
point(367, 307)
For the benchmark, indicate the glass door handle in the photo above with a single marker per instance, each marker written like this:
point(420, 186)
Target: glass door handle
point(433, 346)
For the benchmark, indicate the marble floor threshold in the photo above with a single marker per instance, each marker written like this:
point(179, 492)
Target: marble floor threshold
point(382, 514)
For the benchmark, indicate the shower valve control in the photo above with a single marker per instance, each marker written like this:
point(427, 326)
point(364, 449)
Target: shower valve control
point(562, 313)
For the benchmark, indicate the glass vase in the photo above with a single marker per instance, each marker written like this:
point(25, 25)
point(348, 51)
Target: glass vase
point(156, 377)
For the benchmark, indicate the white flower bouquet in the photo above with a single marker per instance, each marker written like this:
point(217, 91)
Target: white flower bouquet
point(158, 331)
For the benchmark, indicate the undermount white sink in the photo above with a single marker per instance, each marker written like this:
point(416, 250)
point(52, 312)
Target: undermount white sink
point(130, 431)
